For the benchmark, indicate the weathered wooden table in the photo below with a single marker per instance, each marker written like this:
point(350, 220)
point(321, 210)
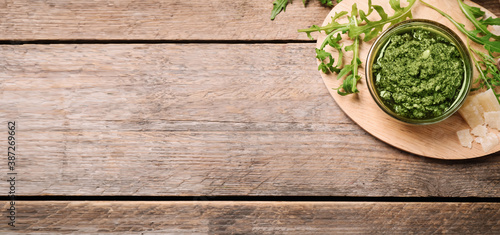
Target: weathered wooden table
point(197, 116)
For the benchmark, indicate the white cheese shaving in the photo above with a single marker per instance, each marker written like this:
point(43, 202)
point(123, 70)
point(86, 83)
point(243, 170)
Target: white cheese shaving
point(488, 101)
point(489, 141)
point(480, 111)
point(480, 131)
point(465, 138)
point(472, 112)
point(492, 119)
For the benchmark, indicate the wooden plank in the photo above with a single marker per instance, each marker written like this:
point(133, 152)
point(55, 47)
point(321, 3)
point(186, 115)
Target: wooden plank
point(211, 119)
point(62, 217)
point(160, 20)
point(155, 20)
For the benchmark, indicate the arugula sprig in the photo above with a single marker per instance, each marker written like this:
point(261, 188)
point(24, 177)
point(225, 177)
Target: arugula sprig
point(489, 72)
point(481, 24)
point(489, 75)
point(349, 86)
point(358, 24)
point(479, 35)
point(280, 5)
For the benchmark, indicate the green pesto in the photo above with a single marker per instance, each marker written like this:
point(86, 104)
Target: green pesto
point(419, 74)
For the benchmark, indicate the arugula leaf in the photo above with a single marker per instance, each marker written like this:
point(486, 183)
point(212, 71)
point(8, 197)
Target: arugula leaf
point(373, 28)
point(489, 73)
point(327, 2)
point(323, 2)
point(278, 6)
point(475, 11)
point(349, 85)
point(332, 26)
point(491, 46)
point(491, 21)
point(358, 24)
point(322, 55)
point(472, 13)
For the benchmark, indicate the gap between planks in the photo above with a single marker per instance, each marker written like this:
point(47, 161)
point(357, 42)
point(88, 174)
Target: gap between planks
point(263, 198)
point(104, 41)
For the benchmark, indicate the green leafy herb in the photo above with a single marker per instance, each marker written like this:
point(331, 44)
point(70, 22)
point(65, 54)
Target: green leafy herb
point(474, 35)
point(489, 74)
point(280, 5)
point(328, 2)
point(349, 86)
point(373, 28)
point(358, 24)
point(472, 13)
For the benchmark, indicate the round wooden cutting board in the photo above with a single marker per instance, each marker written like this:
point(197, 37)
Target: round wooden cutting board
point(437, 140)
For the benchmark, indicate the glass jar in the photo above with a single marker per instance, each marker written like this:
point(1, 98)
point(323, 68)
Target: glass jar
point(378, 48)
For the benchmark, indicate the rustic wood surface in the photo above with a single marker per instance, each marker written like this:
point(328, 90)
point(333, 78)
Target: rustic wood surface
point(204, 99)
point(438, 140)
point(195, 217)
point(170, 119)
point(161, 19)
point(155, 20)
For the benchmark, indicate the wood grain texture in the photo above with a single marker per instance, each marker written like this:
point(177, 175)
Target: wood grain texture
point(211, 119)
point(160, 20)
point(438, 140)
point(154, 20)
point(48, 217)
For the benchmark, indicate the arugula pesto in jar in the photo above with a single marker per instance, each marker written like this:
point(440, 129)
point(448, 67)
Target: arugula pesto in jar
point(418, 74)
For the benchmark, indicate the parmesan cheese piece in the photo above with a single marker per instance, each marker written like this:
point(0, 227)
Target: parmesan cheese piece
point(488, 101)
point(488, 142)
point(479, 111)
point(480, 131)
point(465, 138)
point(492, 119)
point(472, 112)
